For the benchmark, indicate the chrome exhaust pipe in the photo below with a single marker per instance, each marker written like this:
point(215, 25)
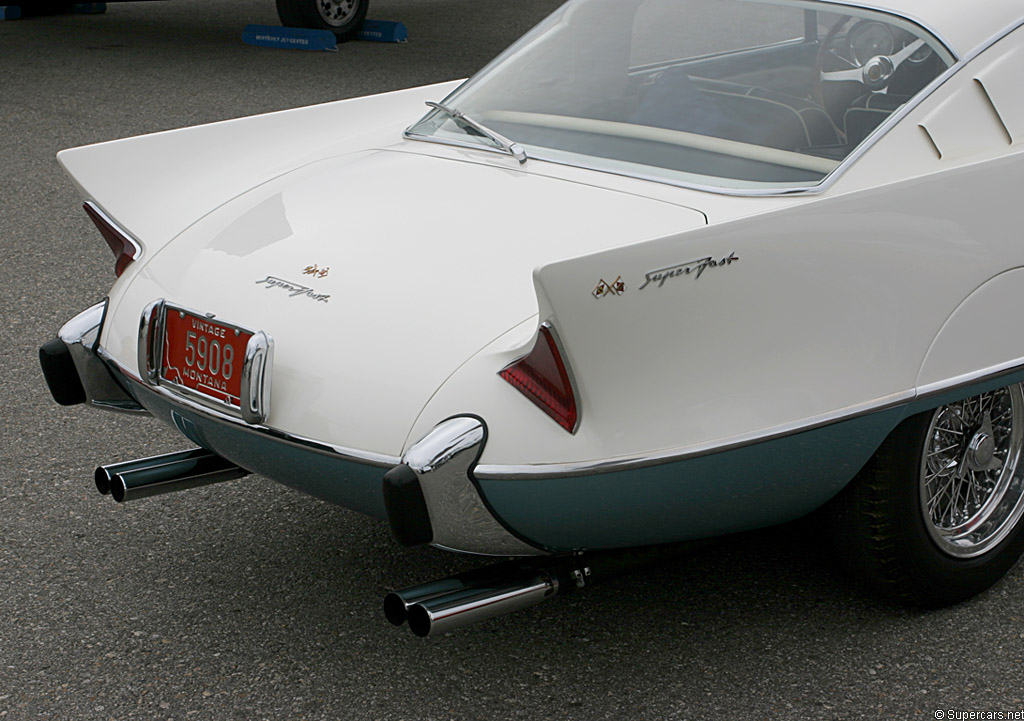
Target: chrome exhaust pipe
point(451, 603)
point(104, 474)
point(171, 472)
point(398, 603)
point(450, 611)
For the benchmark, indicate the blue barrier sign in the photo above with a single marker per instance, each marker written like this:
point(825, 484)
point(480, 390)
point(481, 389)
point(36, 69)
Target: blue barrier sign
point(274, 36)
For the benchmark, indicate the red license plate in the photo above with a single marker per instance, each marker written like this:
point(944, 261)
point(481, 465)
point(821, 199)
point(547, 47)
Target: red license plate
point(204, 355)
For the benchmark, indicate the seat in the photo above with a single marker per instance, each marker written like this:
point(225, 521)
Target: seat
point(868, 112)
point(733, 111)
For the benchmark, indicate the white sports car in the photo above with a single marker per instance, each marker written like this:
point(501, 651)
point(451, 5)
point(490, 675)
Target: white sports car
point(664, 270)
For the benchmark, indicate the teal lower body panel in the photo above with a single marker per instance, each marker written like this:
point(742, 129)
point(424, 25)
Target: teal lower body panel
point(750, 487)
point(318, 472)
point(734, 490)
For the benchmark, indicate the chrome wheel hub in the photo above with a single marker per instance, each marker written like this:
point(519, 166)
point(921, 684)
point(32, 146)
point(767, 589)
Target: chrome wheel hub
point(337, 12)
point(981, 451)
point(970, 494)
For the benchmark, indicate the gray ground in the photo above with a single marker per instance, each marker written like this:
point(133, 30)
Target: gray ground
point(251, 601)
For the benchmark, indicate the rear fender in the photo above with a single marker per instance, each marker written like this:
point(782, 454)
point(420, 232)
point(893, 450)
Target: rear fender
point(157, 185)
point(984, 335)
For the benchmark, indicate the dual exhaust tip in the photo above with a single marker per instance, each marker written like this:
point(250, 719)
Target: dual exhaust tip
point(429, 608)
point(168, 473)
point(450, 603)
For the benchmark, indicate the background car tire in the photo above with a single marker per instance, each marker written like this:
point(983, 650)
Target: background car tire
point(342, 17)
point(44, 7)
point(889, 543)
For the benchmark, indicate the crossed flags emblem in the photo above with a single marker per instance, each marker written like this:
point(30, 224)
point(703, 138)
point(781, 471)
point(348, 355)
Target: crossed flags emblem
point(616, 287)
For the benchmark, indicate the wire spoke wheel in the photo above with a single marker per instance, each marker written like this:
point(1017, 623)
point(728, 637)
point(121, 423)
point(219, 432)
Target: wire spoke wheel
point(969, 493)
point(937, 515)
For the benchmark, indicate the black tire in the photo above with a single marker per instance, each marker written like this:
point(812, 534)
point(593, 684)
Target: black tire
point(342, 17)
point(887, 541)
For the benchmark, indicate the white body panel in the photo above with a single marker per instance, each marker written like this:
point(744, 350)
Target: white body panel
point(829, 310)
point(411, 297)
point(157, 185)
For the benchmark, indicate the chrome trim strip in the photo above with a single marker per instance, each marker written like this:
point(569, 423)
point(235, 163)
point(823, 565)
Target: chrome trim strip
point(443, 461)
point(121, 231)
point(586, 468)
point(829, 180)
point(379, 460)
point(964, 379)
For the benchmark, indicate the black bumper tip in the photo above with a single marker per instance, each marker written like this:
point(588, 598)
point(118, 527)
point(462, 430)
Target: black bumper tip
point(61, 374)
point(407, 509)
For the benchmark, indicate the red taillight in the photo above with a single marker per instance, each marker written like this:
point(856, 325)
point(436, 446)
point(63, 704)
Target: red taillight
point(125, 249)
point(543, 378)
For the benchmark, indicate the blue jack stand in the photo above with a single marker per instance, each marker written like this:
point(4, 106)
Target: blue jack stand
point(383, 31)
point(273, 36)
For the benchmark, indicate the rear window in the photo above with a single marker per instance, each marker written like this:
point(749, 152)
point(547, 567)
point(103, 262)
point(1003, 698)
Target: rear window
point(732, 94)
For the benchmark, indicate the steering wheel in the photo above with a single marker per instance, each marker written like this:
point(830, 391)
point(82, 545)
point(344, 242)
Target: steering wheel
point(874, 73)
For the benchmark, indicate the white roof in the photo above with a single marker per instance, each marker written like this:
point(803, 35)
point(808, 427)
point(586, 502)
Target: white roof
point(961, 24)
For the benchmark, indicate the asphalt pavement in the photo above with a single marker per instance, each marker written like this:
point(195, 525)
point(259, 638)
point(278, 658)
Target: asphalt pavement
point(248, 600)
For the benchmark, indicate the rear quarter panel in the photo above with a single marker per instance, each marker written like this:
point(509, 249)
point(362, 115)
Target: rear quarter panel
point(829, 310)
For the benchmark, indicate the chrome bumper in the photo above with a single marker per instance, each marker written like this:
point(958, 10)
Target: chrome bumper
point(75, 373)
point(429, 496)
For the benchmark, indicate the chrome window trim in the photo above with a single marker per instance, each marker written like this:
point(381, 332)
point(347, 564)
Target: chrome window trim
point(829, 180)
point(370, 458)
point(586, 468)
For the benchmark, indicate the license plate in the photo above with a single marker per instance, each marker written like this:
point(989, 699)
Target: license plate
point(204, 355)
